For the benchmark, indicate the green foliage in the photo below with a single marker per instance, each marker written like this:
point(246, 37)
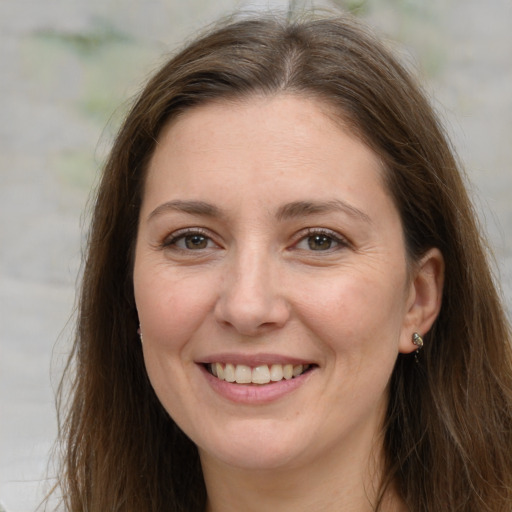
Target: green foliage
point(89, 43)
point(87, 77)
point(356, 7)
point(91, 72)
point(416, 24)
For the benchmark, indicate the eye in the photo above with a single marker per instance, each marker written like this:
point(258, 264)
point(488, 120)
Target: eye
point(190, 241)
point(320, 241)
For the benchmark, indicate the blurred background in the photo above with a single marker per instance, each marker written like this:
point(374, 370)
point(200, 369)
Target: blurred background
point(68, 69)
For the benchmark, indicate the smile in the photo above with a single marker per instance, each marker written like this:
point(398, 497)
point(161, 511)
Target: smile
point(262, 374)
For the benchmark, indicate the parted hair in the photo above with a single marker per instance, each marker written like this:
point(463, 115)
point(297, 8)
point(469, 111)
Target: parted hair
point(448, 429)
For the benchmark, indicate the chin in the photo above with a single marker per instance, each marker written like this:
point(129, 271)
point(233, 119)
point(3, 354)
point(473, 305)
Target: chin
point(259, 449)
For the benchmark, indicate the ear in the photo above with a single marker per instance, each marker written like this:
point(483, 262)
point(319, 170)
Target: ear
point(424, 298)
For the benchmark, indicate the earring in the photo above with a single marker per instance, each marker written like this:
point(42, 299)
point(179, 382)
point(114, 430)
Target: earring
point(139, 332)
point(418, 341)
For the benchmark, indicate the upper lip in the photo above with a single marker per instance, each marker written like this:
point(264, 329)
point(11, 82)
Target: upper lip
point(253, 360)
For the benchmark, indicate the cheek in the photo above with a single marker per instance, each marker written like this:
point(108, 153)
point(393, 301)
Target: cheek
point(171, 310)
point(171, 307)
point(356, 311)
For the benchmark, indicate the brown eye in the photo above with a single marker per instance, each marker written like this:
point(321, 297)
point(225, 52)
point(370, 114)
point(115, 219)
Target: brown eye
point(191, 241)
point(320, 242)
point(195, 241)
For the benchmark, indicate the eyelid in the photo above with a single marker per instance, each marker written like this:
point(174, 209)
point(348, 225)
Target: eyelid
point(171, 239)
point(341, 240)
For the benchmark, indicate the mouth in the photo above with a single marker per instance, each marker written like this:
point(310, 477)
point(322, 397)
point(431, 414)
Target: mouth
point(259, 375)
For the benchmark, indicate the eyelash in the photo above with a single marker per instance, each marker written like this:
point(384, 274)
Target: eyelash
point(303, 236)
point(327, 233)
point(182, 234)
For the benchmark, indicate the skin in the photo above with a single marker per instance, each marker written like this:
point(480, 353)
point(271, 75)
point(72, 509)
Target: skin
point(246, 276)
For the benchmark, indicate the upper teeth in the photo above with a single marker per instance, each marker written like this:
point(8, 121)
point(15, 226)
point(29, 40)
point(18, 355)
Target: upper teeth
point(263, 374)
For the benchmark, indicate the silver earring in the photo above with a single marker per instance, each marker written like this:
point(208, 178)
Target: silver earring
point(418, 341)
point(139, 332)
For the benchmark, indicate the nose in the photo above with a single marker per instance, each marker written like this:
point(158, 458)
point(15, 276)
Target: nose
point(252, 300)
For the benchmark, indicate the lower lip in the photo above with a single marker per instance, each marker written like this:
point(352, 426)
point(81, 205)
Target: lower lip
point(255, 394)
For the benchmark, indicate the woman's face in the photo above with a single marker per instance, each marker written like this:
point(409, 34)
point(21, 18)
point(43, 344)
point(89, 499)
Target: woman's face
point(269, 246)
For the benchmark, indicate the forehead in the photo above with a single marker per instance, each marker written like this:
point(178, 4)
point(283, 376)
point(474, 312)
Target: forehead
point(251, 158)
point(269, 136)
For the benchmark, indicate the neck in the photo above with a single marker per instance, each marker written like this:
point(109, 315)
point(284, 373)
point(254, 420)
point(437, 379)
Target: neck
point(338, 481)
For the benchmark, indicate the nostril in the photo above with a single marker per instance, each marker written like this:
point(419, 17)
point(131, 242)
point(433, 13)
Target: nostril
point(253, 315)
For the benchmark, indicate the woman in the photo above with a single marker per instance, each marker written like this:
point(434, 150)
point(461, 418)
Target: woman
point(286, 302)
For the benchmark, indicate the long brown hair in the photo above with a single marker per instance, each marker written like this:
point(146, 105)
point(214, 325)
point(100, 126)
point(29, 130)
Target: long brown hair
point(448, 436)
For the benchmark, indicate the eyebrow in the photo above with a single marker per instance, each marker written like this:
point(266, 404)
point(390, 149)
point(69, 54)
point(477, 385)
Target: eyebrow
point(288, 211)
point(305, 208)
point(192, 207)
